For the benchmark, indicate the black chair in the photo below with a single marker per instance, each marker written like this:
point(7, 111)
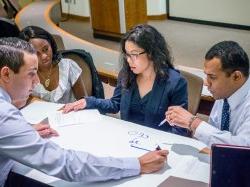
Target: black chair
point(8, 28)
point(3, 13)
point(11, 7)
point(90, 77)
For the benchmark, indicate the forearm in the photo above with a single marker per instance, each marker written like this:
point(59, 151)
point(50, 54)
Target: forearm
point(103, 105)
point(210, 134)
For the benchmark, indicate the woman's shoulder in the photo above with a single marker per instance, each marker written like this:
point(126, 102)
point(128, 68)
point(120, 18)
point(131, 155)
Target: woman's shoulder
point(173, 74)
point(174, 77)
point(67, 64)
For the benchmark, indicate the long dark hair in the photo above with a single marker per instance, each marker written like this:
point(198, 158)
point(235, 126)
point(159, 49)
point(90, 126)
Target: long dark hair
point(36, 32)
point(154, 44)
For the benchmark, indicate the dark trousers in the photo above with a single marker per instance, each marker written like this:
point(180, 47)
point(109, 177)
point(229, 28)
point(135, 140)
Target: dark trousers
point(17, 180)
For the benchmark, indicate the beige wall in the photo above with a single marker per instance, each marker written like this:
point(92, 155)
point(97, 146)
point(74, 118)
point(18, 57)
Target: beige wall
point(81, 7)
point(225, 11)
point(76, 7)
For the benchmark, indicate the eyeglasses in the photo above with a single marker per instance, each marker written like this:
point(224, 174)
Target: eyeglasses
point(133, 56)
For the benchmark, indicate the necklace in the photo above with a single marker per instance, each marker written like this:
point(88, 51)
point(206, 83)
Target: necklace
point(46, 79)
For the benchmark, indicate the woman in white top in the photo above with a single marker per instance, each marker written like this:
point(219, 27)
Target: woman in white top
point(60, 78)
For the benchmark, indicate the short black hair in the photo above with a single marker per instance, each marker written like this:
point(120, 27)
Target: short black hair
point(37, 32)
point(12, 51)
point(231, 55)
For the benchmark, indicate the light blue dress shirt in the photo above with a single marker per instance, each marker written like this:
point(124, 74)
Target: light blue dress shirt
point(239, 125)
point(20, 142)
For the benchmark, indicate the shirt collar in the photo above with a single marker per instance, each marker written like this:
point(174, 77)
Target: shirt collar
point(4, 95)
point(235, 99)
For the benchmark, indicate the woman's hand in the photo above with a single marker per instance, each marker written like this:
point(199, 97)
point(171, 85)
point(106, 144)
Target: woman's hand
point(75, 106)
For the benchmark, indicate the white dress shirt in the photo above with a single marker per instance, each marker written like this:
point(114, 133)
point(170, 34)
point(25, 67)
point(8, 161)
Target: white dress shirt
point(239, 125)
point(69, 72)
point(20, 142)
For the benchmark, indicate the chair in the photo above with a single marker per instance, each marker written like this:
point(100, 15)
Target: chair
point(8, 28)
point(3, 13)
point(195, 85)
point(59, 41)
point(12, 7)
point(90, 76)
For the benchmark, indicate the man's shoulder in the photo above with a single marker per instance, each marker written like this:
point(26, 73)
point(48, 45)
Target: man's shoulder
point(6, 108)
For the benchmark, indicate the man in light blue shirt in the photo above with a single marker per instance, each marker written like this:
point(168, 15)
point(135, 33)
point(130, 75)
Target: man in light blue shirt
point(227, 69)
point(20, 142)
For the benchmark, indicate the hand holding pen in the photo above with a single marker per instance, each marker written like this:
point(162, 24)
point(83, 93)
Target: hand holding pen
point(179, 116)
point(168, 117)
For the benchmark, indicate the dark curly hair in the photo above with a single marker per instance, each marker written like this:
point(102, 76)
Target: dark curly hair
point(154, 44)
point(36, 32)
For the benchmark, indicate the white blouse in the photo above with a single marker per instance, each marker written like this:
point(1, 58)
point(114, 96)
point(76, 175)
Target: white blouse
point(69, 72)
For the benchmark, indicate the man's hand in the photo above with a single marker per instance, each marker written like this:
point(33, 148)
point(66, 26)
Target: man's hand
point(44, 130)
point(75, 106)
point(181, 117)
point(153, 161)
point(178, 116)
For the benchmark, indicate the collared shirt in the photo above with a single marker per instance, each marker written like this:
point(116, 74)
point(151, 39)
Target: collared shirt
point(20, 142)
point(239, 125)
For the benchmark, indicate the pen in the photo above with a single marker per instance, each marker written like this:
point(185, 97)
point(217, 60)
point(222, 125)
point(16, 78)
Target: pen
point(140, 147)
point(165, 120)
point(145, 149)
point(162, 122)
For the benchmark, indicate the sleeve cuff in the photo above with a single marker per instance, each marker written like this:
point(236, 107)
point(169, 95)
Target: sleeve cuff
point(131, 167)
point(204, 132)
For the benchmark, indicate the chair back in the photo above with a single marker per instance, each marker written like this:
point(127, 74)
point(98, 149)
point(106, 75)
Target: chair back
point(59, 41)
point(11, 7)
point(92, 81)
point(8, 28)
point(3, 13)
point(86, 72)
point(195, 85)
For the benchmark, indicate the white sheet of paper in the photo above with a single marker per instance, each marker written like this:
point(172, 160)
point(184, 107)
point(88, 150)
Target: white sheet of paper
point(59, 119)
point(37, 111)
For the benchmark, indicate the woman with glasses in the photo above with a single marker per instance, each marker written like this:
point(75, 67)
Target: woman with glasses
point(60, 78)
point(147, 84)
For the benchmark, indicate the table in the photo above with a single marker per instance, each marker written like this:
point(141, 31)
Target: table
point(107, 136)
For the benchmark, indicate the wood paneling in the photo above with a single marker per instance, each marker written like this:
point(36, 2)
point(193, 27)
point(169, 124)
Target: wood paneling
point(158, 17)
point(105, 15)
point(135, 12)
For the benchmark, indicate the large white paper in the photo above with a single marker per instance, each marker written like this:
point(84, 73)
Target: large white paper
point(37, 111)
point(191, 168)
point(59, 119)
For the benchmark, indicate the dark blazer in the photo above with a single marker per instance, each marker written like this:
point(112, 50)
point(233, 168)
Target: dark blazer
point(165, 92)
